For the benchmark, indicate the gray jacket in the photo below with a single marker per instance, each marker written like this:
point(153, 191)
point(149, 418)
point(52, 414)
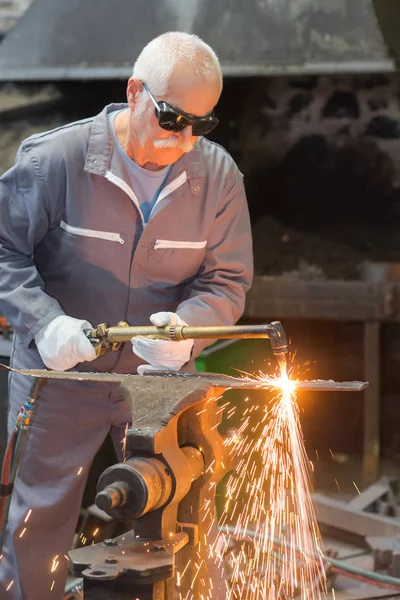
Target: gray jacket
point(72, 240)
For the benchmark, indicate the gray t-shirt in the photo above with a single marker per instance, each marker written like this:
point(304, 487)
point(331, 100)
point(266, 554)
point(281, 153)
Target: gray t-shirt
point(146, 184)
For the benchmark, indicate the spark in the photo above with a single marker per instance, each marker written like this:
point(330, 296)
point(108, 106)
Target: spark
point(185, 569)
point(22, 532)
point(123, 442)
point(198, 567)
point(55, 564)
point(52, 586)
point(355, 485)
point(80, 470)
point(9, 585)
point(28, 514)
point(269, 500)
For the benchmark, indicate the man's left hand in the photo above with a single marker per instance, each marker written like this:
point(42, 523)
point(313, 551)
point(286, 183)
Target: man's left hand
point(163, 355)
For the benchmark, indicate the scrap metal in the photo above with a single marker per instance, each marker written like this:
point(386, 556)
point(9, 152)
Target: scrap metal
point(217, 380)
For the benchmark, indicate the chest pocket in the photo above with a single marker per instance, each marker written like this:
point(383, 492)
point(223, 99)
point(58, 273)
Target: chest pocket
point(176, 261)
point(163, 244)
point(93, 233)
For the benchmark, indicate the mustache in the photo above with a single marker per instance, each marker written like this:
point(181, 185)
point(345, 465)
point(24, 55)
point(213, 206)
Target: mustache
point(173, 142)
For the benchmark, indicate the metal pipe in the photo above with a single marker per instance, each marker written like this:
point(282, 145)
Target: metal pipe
point(186, 332)
point(111, 337)
point(339, 566)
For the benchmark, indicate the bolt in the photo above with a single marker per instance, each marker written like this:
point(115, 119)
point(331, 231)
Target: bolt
point(110, 542)
point(110, 560)
point(157, 548)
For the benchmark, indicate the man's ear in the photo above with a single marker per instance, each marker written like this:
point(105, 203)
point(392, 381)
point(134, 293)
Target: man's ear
point(133, 88)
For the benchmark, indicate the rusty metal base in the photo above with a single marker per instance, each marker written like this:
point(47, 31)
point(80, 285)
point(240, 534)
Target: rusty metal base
point(124, 567)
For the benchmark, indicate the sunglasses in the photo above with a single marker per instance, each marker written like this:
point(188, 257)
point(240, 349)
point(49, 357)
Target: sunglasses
point(174, 119)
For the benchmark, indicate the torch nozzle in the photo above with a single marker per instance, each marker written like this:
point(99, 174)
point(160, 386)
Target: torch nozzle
point(279, 344)
point(278, 339)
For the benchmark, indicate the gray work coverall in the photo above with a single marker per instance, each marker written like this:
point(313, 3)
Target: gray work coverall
point(73, 241)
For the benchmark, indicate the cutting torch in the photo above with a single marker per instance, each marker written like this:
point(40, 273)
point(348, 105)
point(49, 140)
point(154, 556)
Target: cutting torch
point(105, 338)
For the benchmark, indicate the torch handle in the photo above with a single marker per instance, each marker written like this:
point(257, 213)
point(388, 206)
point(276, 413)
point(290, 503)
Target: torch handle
point(106, 338)
point(186, 332)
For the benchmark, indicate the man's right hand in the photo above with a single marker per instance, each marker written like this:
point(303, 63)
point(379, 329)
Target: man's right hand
point(62, 343)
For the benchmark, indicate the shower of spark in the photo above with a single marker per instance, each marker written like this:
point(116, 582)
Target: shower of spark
point(268, 499)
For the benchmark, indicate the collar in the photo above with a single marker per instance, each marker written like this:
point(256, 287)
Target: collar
point(101, 144)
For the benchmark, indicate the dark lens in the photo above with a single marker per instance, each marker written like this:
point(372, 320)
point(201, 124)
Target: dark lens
point(171, 121)
point(204, 126)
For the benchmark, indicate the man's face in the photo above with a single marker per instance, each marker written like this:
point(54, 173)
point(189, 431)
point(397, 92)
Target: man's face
point(185, 93)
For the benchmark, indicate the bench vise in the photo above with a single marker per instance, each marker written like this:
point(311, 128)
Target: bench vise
point(175, 458)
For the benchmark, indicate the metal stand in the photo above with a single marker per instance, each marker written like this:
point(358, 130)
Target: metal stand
point(175, 459)
point(371, 402)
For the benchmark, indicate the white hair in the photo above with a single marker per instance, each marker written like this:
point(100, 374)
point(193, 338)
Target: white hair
point(162, 55)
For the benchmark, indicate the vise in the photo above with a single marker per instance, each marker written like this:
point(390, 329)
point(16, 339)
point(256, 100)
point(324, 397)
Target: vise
point(175, 457)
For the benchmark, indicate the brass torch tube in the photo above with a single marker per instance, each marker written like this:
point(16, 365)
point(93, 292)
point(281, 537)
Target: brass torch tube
point(182, 332)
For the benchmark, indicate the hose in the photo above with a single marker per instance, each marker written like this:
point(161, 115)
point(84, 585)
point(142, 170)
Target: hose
point(5, 487)
point(337, 566)
point(13, 453)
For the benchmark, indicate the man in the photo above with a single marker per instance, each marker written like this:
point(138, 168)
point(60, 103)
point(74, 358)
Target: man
point(131, 215)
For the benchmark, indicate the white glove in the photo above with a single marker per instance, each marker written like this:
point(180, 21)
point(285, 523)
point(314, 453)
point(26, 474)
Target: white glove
point(62, 343)
point(162, 355)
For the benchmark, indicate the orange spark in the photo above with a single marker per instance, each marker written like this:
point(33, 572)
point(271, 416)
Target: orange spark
point(123, 442)
point(268, 498)
point(28, 514)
